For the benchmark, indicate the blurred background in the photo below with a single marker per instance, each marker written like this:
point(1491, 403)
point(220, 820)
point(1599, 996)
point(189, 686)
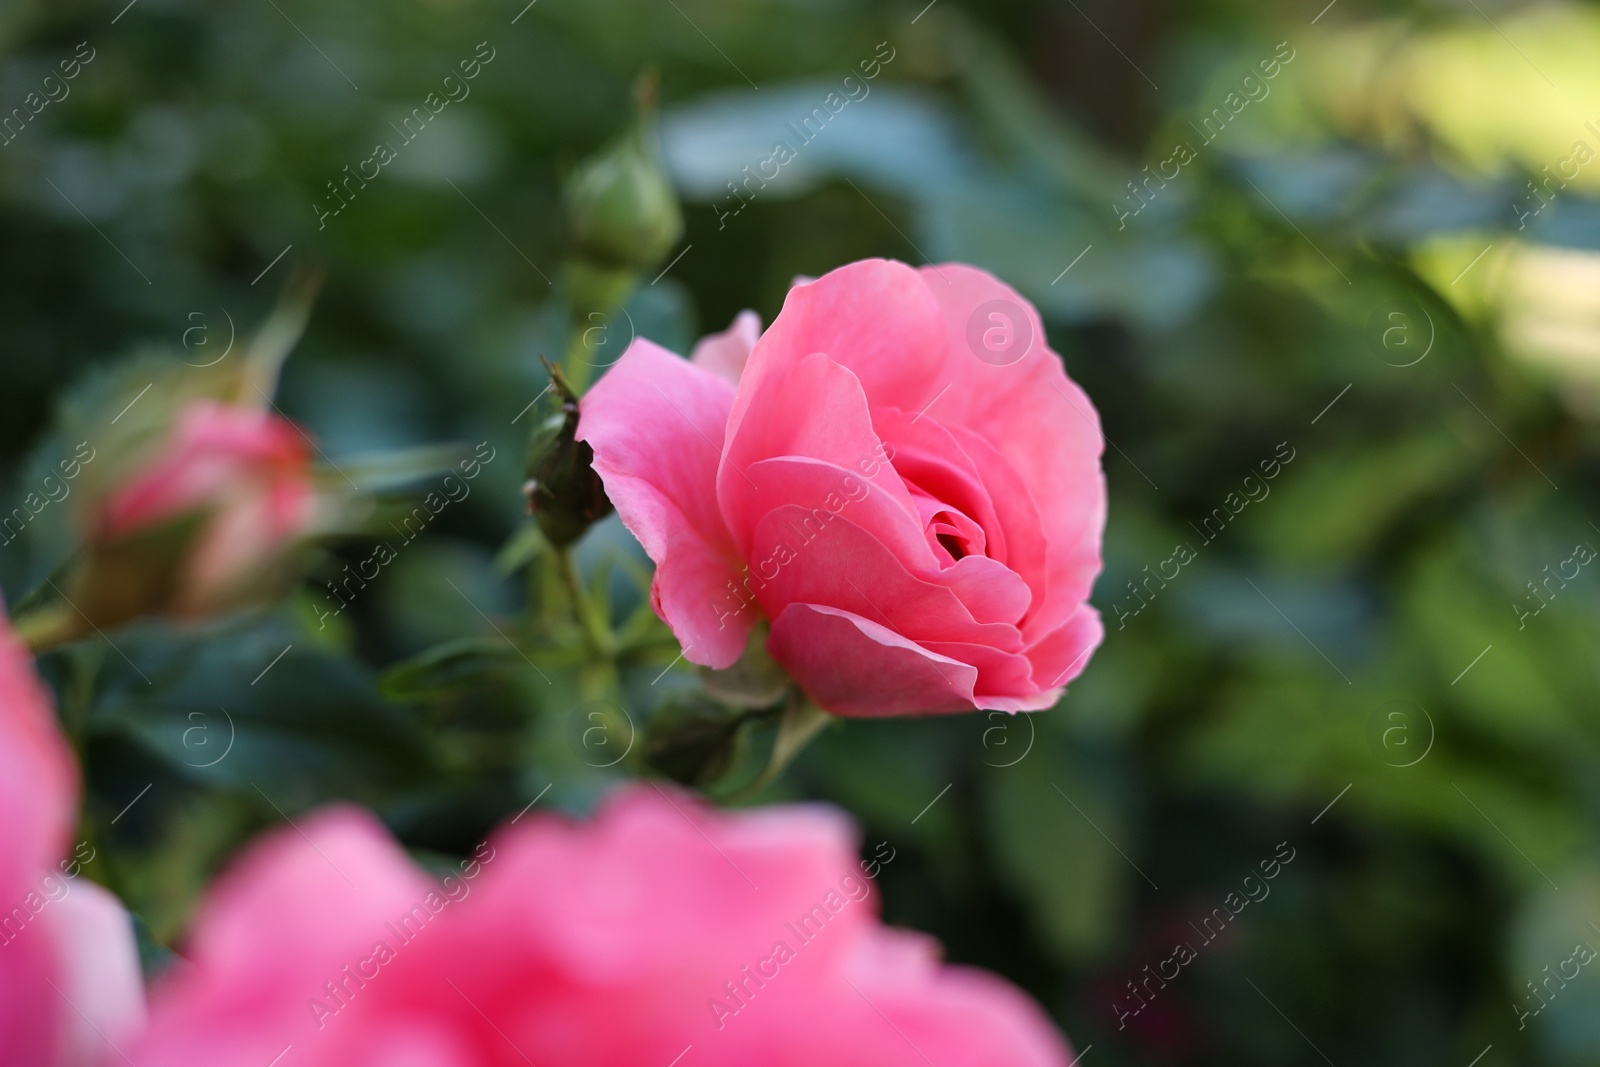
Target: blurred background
point(1331, 275)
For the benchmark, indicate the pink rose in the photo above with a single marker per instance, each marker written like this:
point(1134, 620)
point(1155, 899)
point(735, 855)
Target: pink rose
point(902, 481)
point(69, 970)
point(658, 933)
point(244, 474)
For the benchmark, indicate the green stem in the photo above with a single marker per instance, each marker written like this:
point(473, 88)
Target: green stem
point(594, 627)
point(802, 721)
point(576, 364)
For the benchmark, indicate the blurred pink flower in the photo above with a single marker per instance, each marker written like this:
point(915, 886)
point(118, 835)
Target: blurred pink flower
point(658, 933)
point(69, 972)
point(898, 475)
point(245, 473)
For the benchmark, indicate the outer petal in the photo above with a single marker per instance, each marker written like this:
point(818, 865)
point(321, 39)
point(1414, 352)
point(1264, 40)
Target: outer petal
point(725, 354)
point(30, 1011)
point(38, 780)
point(875, 317)
point(1061, 654)
point(98, 975)
point(656, 424)
point(953, 1014)
point(612, 943)
point(853, 666)
point(300, 906)
point(652, 852)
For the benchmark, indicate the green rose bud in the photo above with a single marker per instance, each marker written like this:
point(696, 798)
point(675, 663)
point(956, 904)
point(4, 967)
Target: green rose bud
point(621, 206)
point(564, 493)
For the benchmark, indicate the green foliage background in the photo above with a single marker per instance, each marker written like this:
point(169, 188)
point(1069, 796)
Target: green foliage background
point(1320, 648)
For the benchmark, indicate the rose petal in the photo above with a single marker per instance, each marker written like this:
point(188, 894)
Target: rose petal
point(612, 942)
point(811, 408)
point(842, 565)
point(656, 424)
point(31, 1013)
point(97, 974)
point(38, 778)
point(725, 354)
point(1061, 654)
point(824, 490)
point(953, 1014)
point(895, 359)
point(300, 906)
point(1035, 417)
point(928, 457)
point(853, 666)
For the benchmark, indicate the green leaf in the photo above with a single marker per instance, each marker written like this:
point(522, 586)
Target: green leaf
point(445, 668)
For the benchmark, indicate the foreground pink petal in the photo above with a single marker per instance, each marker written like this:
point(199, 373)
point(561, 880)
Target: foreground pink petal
point(38, 779)
point(98, 975)
point(70, 988)
point(658, 932)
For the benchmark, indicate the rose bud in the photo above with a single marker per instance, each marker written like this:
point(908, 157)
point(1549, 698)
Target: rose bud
point(897, 475)
point(564, 494)
point(656, 927)
point(203, 524)
point(620, 204)
point(69, 968)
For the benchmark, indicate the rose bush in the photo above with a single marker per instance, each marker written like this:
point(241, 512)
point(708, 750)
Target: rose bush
point(69, 972)
point(897, 475)
point(650, 935)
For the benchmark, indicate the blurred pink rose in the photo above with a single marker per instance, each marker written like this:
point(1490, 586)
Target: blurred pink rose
point(659, 933)
point(246, 473)
point(69, 971)
point(902, 480)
